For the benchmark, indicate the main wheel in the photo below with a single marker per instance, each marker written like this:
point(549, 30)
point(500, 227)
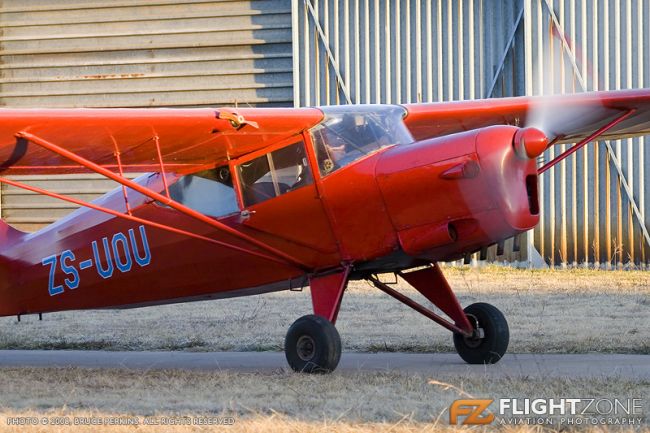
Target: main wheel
point(491, 335)
point(312, 345)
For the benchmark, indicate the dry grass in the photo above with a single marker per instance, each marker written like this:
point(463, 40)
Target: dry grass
point(290, 399)
point(572, 311)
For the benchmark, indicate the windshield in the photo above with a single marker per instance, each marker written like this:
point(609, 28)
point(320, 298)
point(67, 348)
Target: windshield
point(350, 132)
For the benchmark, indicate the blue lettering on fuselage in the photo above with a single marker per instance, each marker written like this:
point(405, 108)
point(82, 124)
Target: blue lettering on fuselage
point(69, 270)
point(142, 261)
point(120, 252)
point(51, 260)
point(119, 238)
point(108, 272)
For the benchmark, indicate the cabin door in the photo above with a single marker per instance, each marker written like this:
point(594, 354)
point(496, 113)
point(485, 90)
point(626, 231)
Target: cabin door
point(281, 204)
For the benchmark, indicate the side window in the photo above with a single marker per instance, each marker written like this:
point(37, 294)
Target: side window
point(274, 174)
point(210, 192)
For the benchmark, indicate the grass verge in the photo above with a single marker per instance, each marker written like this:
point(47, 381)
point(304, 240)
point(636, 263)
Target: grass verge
point(355, 397)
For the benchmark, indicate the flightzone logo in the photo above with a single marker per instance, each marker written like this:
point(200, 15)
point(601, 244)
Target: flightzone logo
point(474, 412)
point(120, 253)
point(548, 411)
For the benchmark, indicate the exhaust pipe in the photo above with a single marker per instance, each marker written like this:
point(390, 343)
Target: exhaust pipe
point(418, 239)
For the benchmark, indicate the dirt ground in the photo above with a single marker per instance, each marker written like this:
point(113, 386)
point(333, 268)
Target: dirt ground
point(564, 311)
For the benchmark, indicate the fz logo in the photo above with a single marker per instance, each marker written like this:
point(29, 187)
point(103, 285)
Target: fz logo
point(472, 411)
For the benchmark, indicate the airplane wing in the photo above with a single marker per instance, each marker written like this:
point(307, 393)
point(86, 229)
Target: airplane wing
point(188, 138)
point(564, 118)
point(192, 138)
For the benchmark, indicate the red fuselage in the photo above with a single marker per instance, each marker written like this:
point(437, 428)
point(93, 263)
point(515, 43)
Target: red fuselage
point(396, 208)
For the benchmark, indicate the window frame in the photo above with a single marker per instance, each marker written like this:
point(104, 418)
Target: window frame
point(337, 110)
point(181, 174)
point(235, 163)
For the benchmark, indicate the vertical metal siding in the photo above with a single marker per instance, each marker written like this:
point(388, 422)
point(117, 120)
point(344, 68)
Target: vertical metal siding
point(589, 198)
point(140, 53)
point(398, 51)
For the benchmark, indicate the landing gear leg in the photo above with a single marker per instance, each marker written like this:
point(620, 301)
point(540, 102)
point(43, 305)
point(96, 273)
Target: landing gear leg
point(481, 332)
point(313, 344)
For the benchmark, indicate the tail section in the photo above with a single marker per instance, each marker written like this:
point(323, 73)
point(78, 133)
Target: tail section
point(9, 235)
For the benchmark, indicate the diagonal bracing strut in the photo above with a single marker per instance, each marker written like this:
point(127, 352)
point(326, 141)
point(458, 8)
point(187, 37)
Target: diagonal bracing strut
point(286, 258)
point(587, 140)
point(130, 217)
point(461, 324)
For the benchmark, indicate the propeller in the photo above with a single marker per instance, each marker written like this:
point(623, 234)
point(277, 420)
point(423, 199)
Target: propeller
point(530, 142)
point(554, 114)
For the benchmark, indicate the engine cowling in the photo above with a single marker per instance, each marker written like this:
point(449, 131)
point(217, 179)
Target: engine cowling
point(449, 194)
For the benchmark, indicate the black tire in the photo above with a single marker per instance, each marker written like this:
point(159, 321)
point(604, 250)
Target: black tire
point(495, 335)
point(312, 345)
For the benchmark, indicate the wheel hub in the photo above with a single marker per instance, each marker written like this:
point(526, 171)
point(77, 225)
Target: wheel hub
point(477, 336)
point(305, 347)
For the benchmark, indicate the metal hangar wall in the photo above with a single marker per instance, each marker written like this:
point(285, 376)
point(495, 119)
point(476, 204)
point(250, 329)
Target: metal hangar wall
point(395, 51)
point(135, 53)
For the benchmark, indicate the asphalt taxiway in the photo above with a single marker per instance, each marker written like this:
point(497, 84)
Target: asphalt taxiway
point(512, 365)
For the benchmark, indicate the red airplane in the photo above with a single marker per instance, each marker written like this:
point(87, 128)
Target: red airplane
point(245, 201)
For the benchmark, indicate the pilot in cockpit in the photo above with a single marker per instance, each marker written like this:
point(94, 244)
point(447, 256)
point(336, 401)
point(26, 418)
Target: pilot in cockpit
point(353, 136)
point(349, 133)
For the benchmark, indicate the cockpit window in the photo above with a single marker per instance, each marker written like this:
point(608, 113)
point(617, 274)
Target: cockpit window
point(274, 174)
point(350, 132)
point(210, 192)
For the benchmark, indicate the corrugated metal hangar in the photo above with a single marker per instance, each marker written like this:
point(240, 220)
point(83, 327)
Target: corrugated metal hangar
point(153, 53)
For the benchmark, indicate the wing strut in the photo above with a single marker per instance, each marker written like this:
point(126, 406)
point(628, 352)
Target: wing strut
point(156, 140)
point(134, 218)
point(121, 171)
point(582, 143)
point(285, 258)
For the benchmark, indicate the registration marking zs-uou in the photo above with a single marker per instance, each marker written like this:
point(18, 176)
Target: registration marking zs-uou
point(119, 254)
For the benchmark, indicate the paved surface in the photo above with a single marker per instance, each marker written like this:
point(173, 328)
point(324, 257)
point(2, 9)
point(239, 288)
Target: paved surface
point(551, 365)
